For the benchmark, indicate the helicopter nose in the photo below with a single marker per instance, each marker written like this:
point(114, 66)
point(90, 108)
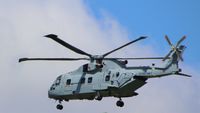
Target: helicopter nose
point(51, 94)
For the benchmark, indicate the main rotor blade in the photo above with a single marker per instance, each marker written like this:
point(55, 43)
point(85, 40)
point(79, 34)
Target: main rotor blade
point(139, 58)
point(55, 38)
point(169, 42)
point(52, 59)
point(179, 42)
point(123, 46)
point(167, 56)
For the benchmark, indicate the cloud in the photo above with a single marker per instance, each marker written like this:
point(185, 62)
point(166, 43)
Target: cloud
point(24, 86)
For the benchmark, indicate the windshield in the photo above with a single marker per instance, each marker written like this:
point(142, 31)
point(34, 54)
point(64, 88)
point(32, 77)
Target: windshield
point(56, 82)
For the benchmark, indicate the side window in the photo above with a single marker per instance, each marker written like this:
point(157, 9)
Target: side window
point(107, 78)
point(68, 82)
point(117, 74)
point(82, 80)
point(90, 80)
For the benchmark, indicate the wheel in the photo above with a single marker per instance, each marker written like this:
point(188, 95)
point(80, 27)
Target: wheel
point(59, 107)
point(99, 98)
point(120, 103)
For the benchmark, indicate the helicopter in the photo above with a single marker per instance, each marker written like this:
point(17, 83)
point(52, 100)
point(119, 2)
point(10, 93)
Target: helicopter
point(109, 77)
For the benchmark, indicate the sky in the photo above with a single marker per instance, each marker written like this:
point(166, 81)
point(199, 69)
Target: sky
point(155, 19)
point(95, 26)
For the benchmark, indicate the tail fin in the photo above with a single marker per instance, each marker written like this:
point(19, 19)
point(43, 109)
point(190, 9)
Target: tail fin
point(174, 56)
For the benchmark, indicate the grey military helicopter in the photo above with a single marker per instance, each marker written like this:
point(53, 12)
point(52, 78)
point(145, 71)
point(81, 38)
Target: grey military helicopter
point(109, 77)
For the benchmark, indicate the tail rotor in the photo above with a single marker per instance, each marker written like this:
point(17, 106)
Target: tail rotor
point(176, 49)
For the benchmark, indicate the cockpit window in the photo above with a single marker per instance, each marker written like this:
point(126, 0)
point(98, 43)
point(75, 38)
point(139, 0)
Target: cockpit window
point(58, 80)
point(56, 83)
point(52, 87)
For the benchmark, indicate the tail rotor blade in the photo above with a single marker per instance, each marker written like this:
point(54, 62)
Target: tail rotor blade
point(169, 42)
point(179, 55)
point(179, 42)
point(167, 56)
point(181, 58)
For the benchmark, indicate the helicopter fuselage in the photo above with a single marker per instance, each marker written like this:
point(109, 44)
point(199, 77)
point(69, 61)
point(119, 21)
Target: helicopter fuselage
point(102, 82)
point(113, 79)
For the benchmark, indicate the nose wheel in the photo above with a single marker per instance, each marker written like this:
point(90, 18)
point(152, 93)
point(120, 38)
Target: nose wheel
point(59, 106)
point(120, 103)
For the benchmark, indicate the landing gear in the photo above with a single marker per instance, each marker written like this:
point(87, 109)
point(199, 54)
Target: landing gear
point(120, 103)
point(59, 106)
point(98, 97)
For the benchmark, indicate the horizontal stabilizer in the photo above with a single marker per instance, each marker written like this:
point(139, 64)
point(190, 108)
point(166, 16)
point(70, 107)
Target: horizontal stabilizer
point(182, 74)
